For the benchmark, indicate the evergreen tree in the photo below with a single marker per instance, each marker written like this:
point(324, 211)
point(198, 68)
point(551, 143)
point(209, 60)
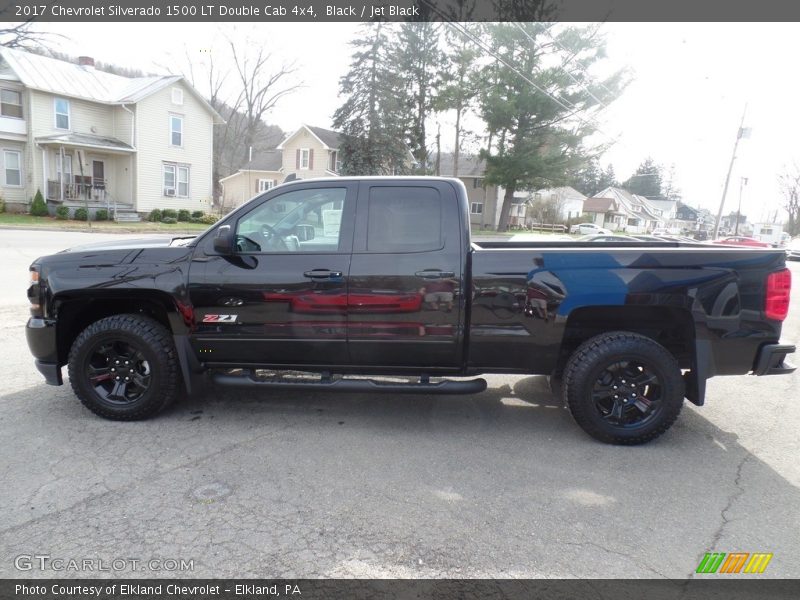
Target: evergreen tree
point(372, 118)
point(607, 179)
point(540, 107)
point(417, 57)
point(646, 181)
point(459, 83)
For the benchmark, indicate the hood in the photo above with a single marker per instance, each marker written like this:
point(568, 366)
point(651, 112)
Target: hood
point(164, 241)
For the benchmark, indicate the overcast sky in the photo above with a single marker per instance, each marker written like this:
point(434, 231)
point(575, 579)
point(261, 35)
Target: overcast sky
point(691, 83)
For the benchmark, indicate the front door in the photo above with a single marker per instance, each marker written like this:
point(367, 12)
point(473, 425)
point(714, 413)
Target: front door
point(281, 299)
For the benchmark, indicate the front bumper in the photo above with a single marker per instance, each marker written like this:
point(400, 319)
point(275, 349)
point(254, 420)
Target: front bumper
point(41, 336)
point(770, 360)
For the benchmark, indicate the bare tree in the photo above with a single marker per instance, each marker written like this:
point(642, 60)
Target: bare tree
point(261, 88)
point(24, 37)
point(789, 182)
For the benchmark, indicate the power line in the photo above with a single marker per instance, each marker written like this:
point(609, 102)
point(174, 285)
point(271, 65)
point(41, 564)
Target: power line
point(563, 64)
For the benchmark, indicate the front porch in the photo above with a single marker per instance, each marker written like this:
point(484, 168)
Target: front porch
point(88, 171)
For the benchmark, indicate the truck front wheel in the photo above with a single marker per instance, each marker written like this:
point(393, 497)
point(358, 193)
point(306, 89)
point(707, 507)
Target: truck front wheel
point(124, 367)
point(623, 388)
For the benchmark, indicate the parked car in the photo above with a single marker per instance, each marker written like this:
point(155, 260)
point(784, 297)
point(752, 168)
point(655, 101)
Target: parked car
point(793, 249)
point(587, 228)
point(738, 240)
point(604, 237)
point(701, 235)
point(387, 281)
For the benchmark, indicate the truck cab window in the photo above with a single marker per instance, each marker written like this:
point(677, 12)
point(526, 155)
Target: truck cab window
point(298, 221)
point(404, 219)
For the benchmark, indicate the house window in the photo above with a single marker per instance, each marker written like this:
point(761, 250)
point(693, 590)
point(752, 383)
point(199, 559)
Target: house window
point(64, 168)
point(304, 158)
point(333, 164)
point(177, 96)
point(265, 184)
point(175, 130)
point(183, 181)
point(62, 113)
point(176, 180)
point(476, 208)
point(10, 104)
point(13, 167)
point(476, 183)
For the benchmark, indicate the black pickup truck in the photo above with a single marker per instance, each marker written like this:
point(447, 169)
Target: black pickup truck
point(373, 284)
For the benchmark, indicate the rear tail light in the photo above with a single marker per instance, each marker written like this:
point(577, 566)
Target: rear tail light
point(776, 304)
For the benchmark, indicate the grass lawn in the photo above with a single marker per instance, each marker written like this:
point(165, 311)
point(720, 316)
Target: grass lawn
point(30, 222)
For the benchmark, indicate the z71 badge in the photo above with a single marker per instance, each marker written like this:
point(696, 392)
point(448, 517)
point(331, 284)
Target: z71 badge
point(220, 318)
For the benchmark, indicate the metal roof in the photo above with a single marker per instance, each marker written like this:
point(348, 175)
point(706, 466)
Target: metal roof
point(85, 140)
point(76, 81)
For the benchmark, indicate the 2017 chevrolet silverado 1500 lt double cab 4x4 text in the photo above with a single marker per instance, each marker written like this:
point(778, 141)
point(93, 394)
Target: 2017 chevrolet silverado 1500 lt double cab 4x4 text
point(378, 277)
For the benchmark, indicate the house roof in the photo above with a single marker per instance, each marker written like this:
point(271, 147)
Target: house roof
point(271, 160)
point(468, 165)
point(600, 205)
point(85, 140)
point(63, 78)
point(329, 139)
point(628, 202)
point(565, 192)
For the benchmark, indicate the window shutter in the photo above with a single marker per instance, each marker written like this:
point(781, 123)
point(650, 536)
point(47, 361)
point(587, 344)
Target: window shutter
point(297, 162)
point(311, 158)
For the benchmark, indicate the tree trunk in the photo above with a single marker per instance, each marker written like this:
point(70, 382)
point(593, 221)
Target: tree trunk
point(506, 210)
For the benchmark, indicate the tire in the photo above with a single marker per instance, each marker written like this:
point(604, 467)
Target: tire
point(647, 408)
point(98, 367)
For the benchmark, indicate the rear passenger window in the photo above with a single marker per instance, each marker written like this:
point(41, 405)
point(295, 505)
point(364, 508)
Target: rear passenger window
point(404, 219)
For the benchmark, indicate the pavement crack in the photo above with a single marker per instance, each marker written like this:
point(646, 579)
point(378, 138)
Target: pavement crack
point(630, 557)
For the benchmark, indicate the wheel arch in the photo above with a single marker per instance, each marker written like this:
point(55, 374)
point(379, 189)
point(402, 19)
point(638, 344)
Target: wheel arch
point(76, 312)
point(672, 327)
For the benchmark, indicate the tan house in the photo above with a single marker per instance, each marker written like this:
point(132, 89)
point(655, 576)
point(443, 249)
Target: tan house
point(83, 136)
point(307, 153)
point(485, 201)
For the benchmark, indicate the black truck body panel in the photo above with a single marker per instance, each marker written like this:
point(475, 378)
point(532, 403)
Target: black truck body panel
point(512, 308)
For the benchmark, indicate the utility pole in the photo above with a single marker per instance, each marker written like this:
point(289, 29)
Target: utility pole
point(742, 183)
point(739, 134)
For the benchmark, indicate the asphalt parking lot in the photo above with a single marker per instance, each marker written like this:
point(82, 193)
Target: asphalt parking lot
point(291, 484)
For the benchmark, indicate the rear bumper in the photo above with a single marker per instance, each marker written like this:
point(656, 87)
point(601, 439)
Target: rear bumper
point(770, 360)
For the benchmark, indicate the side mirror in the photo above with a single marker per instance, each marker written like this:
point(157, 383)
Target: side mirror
point(223, 241)
point(304, 233)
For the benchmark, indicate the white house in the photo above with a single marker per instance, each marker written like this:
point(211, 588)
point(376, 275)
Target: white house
point(567, 200)
point(83, 136)
point(640, 216)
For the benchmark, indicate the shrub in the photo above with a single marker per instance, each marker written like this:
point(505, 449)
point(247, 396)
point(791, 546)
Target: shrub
point(81, 214)
point(168, 212)
point(197, 214)
point(101, 215)
point(62, 213)
point(169, 220)
point(183, 215)
point(3, 206)
point(38, 206)
point(208, 219)
point(154, 216)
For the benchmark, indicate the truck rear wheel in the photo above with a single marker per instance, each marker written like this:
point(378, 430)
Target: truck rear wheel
point(623, 388)
point(124, 367)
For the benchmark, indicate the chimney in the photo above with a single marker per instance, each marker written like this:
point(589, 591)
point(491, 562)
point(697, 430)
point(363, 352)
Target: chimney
point(86, 61)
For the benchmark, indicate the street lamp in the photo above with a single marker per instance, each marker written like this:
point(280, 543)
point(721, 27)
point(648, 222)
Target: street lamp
point(742, 183)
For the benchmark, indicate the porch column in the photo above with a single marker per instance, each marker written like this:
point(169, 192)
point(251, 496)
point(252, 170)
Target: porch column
point(61, 179)
point(44, 172)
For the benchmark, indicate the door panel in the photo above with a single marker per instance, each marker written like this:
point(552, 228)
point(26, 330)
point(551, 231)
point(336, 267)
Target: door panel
point(405, 295)
point(282, 298)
